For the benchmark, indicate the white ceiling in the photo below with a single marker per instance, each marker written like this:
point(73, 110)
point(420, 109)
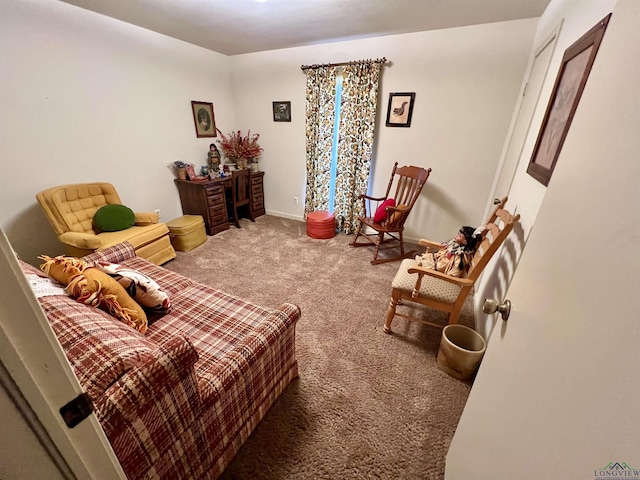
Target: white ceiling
point(234, 27)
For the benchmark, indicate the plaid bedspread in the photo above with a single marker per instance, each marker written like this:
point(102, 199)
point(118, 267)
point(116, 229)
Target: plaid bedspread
point(179, 401)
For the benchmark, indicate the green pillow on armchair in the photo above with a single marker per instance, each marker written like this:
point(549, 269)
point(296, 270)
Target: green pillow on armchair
point(113, 218)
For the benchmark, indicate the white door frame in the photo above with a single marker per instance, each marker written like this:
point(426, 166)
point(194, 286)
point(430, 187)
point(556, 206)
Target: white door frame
point(495, 286)
point(35, 361)
point(521, 123)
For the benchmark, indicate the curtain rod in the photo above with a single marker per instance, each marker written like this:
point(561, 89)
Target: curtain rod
point(354, 62)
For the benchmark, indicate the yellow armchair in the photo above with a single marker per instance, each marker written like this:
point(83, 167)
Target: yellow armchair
point(70, 210)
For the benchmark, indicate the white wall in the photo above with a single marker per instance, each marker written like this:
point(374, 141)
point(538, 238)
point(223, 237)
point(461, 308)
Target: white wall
point(88, 98)
point(466, 82)
point(526, 193)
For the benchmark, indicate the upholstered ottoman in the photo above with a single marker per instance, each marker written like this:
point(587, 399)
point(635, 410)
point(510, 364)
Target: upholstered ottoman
point(321, 224)
point(187, 232)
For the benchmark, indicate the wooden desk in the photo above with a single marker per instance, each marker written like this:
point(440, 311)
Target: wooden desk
point(208, 199)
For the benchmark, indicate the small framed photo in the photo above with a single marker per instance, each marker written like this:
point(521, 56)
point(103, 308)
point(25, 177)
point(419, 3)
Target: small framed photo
point(281, 111)
point(203, 119)
point(400, 109)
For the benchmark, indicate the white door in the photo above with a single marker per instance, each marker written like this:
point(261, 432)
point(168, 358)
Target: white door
point(530, 96)
point(557, 393)
point(37, 374)
point(506, 259)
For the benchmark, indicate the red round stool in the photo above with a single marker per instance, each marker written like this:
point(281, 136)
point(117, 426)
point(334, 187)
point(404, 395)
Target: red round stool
point(321, 224)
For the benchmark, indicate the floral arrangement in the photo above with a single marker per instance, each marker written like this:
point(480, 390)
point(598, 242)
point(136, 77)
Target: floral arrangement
point(235, 145)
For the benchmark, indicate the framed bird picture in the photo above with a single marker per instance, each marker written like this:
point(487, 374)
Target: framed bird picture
point(400, 109)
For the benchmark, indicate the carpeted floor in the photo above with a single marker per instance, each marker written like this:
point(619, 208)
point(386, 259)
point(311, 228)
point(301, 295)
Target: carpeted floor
point(366, 405)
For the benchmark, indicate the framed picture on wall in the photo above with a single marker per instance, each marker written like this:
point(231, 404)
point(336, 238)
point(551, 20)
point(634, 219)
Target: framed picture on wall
point(572, 77)
point(203, 119)
point(281, 111)
point(400, 109)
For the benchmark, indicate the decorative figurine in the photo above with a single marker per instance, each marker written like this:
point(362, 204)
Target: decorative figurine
point(214, 158)
point(454, 257)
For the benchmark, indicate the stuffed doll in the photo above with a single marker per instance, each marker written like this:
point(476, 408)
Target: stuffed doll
point(453, 257)
point(93, 287)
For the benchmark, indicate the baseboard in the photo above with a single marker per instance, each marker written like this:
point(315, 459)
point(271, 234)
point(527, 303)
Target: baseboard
point(301, 219)
point(285, 215)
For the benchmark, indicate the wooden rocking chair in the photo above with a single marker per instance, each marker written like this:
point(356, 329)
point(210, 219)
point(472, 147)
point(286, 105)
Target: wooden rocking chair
point(388, 219)
point(444, 292)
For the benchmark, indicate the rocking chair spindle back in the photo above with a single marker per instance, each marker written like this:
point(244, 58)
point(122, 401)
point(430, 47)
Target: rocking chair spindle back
point(409, 181)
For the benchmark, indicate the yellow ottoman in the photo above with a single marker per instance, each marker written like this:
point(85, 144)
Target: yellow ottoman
point(187, 232)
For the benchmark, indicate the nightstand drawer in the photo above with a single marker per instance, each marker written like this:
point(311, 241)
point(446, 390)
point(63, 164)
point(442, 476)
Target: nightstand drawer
point(216, 199)
point(214, 190)
point(257, 202)
point(218, 220)
point(217, 210)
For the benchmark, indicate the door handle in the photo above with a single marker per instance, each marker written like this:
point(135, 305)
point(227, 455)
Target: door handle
point(492, 306)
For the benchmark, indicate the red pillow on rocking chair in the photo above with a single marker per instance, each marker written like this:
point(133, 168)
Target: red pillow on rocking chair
point(381, 213)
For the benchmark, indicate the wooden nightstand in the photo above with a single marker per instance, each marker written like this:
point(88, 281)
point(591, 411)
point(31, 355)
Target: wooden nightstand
point(257, 193)
point(206, 199)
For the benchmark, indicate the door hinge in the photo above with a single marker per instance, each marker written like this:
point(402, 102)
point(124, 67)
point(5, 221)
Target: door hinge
point(76, 410)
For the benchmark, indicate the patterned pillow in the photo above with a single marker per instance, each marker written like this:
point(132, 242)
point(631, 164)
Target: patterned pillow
point(140, 287)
